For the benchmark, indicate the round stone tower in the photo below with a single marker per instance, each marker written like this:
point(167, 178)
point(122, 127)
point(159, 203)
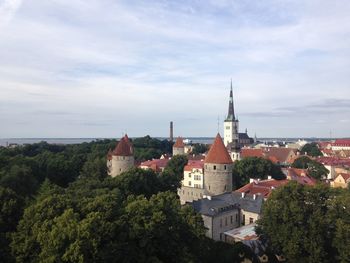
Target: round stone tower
point(121, 158)
point(217, 169)
point(179, 147)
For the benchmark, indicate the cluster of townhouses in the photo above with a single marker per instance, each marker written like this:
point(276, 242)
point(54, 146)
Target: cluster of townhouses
point(230, 215)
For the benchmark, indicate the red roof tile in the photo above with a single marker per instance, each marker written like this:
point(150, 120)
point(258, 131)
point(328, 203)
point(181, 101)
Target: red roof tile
point(194, 165)
point(345, 176)
point(218, 152)
point(124, 147)
point(263, 187)
point(247, 152)
point(179, 143)
point(341, 142)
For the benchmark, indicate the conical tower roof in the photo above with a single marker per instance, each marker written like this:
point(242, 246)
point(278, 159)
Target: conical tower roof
point(179, 143)
point(124, 147)
point(218, 152)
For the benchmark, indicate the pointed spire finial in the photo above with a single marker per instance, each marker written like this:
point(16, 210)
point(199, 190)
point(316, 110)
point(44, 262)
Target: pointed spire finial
point(231, 114)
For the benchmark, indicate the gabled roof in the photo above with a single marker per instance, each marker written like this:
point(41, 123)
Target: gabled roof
point(299, 175)
point(156, 165)
point(263, 187)
point(194, 165)
point(248, 152)
point(218, 152)
point(279, 153)
point(179, 143)
point(228, 201)
point(346, 177)
point(124, 147)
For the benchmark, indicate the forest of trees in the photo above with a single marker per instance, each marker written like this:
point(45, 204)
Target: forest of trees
point(308, 224)
point(58, 205)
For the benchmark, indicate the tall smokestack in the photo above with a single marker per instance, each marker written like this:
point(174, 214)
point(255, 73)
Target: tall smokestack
point(171, 138)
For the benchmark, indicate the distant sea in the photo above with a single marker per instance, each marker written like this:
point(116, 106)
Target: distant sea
point(205, 140)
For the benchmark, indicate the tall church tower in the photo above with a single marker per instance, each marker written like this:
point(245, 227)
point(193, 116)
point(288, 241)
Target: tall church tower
point(231, 135)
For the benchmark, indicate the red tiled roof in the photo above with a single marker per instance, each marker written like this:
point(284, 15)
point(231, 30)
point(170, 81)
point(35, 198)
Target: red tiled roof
point(179, 143)
point(346, 177)
point(218, 152)
point(247, 152)
point(341, 142)
point(156, 164)
point(333, 161)
point(280, 154)
point(300, 175)
point(124, 147)
point(275, 154)
point(194, 165)
point(263, 187)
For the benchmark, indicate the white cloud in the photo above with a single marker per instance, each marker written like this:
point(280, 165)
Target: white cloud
point(8, 8)
point(153, 61)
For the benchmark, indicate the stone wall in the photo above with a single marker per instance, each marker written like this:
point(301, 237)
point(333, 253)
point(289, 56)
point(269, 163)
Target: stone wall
point(217, 178)
point(189, 194)
point(120, 164)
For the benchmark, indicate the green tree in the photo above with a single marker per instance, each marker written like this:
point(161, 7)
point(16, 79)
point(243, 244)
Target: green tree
point(254, 167)
point(311, 149)
point(11, 209)
point(199, 148)
point(301, 222)
point(137, 181)
point(173, 173)
point(20, 179)
point(315, 169)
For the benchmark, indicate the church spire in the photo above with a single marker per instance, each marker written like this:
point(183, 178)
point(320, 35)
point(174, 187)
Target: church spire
point(231, 112)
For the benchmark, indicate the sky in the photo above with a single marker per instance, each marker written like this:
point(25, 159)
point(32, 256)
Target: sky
point(102, 68)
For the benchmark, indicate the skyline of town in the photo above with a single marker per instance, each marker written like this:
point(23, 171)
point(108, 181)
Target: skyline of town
point(102, 68)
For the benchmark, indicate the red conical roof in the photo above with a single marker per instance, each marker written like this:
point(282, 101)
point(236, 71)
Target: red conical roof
point(124, 147)
point(218, 152)
point(179, 143)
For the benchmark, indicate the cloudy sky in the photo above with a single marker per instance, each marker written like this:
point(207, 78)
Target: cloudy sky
point(99, 68)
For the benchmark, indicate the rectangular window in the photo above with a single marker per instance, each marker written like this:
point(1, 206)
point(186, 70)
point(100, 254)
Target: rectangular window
point(189, 183)
point(214, 167)
point(243, 220)
point(236, 217)
point(231, 219)
point(251, 220)
point(197, 177)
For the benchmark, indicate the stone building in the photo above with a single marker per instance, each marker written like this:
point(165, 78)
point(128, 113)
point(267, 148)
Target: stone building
point(217, 169)
point(179, 147)
point(227, 211)
point(216, 178)
point(121, 158)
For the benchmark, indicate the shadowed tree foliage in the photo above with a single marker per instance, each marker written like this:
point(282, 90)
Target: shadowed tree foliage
point(147, 148)
point(254, 167)
point(173, 173)
point(199, 148)
point(315, 169)
point(311, 149)
point(11, 207)
point(58, 205)
point(307, 224)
